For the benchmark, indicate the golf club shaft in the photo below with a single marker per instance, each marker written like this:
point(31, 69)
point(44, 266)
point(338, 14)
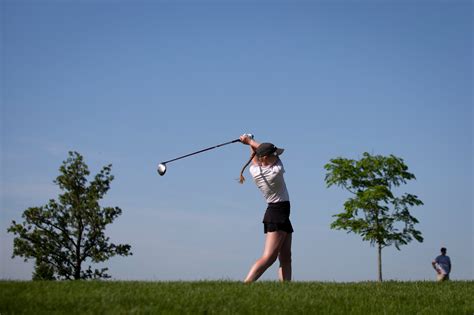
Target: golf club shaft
point(203, 150)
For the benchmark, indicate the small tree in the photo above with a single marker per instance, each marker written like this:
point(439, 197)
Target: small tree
point(63, 234)
point(374, 211)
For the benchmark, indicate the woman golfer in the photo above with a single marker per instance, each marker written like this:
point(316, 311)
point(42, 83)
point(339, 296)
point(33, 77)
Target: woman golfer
point(267, 172)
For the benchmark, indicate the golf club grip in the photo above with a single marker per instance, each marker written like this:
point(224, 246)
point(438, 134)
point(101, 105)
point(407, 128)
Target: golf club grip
point(203, 150)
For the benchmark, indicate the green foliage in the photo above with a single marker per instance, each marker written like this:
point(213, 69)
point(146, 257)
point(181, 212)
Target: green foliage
point(374, 212)
point(43, 271)
point(224, 297)
point(64, 234)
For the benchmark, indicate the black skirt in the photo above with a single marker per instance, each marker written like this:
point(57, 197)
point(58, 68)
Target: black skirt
point(277, 217)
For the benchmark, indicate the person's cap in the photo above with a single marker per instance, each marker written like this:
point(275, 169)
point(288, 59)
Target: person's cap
point(266, 149)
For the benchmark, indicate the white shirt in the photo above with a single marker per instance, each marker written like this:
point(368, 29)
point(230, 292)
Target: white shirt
point(270, 181)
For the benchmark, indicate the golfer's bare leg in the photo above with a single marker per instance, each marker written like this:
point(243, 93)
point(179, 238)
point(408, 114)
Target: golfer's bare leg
point(273, 243)
point(284, 272)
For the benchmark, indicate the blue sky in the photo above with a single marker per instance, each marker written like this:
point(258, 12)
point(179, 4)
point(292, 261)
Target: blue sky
point(136, 83)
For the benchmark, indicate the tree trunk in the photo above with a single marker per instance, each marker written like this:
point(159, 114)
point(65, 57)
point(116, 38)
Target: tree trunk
point(77, 269)
point(379, 261)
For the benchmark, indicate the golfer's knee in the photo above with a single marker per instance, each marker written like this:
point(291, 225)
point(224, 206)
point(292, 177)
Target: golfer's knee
point(269, 259)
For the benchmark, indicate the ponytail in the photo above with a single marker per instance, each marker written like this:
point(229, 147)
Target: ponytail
point(242, 178)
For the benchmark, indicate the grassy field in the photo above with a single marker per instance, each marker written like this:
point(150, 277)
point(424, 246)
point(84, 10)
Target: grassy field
point(221, 297)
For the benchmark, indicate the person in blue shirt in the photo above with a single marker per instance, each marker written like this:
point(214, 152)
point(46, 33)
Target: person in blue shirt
point(442, 265)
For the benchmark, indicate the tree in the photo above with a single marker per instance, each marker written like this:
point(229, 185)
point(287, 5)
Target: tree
point(63, 235)
point(374, 212)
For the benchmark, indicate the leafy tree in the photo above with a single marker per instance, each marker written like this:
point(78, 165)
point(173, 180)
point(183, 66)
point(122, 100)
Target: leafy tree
point(374, 212)
point(63, 235)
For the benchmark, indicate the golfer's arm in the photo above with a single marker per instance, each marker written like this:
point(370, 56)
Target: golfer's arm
point(253, 147)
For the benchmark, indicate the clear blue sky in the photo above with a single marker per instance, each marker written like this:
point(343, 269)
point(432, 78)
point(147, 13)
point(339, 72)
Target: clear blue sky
point(136, 83)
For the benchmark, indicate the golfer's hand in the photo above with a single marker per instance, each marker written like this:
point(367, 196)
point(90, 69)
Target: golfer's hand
point(245, 139)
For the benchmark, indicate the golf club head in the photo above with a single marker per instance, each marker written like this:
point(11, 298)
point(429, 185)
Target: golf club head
point(161, 169)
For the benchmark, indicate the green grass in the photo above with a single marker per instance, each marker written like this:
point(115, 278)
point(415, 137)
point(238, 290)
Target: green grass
point(221, 297)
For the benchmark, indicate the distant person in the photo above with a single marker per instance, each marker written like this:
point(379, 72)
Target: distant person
point(267, 172)
point(442, 265)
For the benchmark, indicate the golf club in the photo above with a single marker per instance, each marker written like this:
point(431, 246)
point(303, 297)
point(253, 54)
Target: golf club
point(162, 166)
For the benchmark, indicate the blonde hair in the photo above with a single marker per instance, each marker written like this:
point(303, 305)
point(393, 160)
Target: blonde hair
point(242, 178)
